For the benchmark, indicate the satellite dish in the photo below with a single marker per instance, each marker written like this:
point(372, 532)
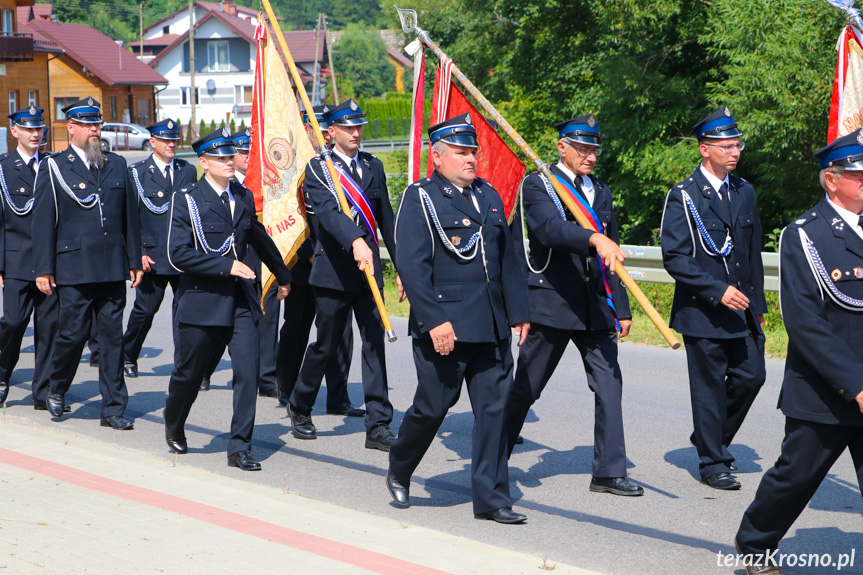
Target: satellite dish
point(211, 86)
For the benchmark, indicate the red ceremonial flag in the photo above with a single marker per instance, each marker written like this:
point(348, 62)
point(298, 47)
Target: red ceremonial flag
point(498, 164)
point(846, 108)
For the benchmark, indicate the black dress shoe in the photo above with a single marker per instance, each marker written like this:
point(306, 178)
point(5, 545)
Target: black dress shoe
point(94, 362)
point(722, 480)
point(130, 370)
point(502, 515)
point(244, 460)
point(177, 445)
point(401, 494)
point(117, 422)
point(4, 391)
point(519, 440)
point(771, 569)
point(380, 438)
point(268, 392)
point(205, 384)
point(732, 468)
point(302, 426)
point(56, 404)
point(347, 409)
point(40, 406)
point(615, 485)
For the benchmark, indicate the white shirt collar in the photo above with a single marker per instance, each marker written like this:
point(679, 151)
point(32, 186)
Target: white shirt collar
point(241, 177)
point(347, 160)
point(81, 154)
point(852, 219)
point(160, 165)
point(713, 180)
point(586, 181)
point(25, 156)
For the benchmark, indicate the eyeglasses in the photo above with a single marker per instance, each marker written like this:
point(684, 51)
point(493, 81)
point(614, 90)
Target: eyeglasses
point(596, 150)
point(728, 148)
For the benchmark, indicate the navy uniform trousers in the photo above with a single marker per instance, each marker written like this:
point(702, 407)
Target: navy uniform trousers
point(20, 299)
point(538, 358)
point(822, 375)
point(190, 365)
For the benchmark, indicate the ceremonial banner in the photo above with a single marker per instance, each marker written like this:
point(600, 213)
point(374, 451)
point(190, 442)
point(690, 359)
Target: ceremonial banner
point(846, 108)
point(279, 154)
point(498, 164)
point(415, 151)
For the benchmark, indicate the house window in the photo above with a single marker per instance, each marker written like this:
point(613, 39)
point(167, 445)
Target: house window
point(13, 101)
point(184, 96)
point(217, 53)
point(8, 22)
point(33, 97)
point(113, 104)
point(166, 30)
point(244, 94)
point(59, 104)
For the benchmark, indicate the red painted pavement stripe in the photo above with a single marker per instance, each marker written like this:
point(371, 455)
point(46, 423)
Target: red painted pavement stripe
point(356, 556)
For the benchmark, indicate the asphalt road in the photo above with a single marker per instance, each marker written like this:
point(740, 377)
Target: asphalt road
point(679, 526)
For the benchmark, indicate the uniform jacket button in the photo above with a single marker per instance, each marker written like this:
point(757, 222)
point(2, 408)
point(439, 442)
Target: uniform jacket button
point(420, 323)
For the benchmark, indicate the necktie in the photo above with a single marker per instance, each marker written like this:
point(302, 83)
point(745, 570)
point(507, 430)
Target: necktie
point(578, 186)
point(168, 178)
point(355, 172)
point(726, 201)
point(32, 165)
point(227, 203)
point(95, 172)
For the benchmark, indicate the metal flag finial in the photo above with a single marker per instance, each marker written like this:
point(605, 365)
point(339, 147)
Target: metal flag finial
point(408, 19)
point(851, 12)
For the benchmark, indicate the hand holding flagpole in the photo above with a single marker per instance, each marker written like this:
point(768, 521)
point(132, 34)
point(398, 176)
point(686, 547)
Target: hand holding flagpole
point(409, 24)
point(327, 155)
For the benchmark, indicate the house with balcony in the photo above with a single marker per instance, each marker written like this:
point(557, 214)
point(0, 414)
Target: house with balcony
point(23, 64)
point(225, 53)
point(90, 64)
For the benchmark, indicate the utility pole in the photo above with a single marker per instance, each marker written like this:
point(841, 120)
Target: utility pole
point(332, 70)
point(192, 100)
point(141, 21)
point(315, 97)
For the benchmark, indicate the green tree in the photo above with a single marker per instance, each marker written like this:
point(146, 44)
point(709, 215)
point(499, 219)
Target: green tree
point(361, 57)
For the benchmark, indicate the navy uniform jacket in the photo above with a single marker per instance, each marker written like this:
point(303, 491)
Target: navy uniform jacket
point(444, 288)
point(824, 364)
point(78, 245)
point(700, 278)
point(154, 227)
point(207, 288)
point(16, 244)
point(569, 294)
point(335, 267)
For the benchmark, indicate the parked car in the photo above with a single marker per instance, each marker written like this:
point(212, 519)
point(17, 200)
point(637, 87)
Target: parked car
point(122, 136)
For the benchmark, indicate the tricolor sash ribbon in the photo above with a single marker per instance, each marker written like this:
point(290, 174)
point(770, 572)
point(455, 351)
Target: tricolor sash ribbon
point(597, 224)
point(356, 197)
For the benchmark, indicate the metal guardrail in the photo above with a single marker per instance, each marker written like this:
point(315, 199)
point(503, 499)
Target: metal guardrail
point(644, 263)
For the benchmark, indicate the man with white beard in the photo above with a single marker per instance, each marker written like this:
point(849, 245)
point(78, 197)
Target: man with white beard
point(86, 243)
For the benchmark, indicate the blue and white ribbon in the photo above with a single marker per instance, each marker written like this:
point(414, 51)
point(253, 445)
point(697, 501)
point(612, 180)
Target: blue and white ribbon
point(430, 212)
point(195, 216)
point(150, 205)
point(706, 241)
point(28, 207)
point(825, 283)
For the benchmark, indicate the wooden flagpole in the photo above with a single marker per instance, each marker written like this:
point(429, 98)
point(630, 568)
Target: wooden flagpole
point(409, 24)
point(326, 153)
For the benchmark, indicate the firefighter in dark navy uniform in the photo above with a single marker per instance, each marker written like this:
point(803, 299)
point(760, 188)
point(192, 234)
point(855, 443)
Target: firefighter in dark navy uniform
point(711, 246)
point(21, 297)
point(569, 269)
point(154, 180)
point(821, 296)
point(343, 249)
point(213, 225)
point(300, 315)
point(465, 282)
point(86, 242)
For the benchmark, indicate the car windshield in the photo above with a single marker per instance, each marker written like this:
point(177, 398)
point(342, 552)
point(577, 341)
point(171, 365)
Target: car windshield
point(140, 128)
